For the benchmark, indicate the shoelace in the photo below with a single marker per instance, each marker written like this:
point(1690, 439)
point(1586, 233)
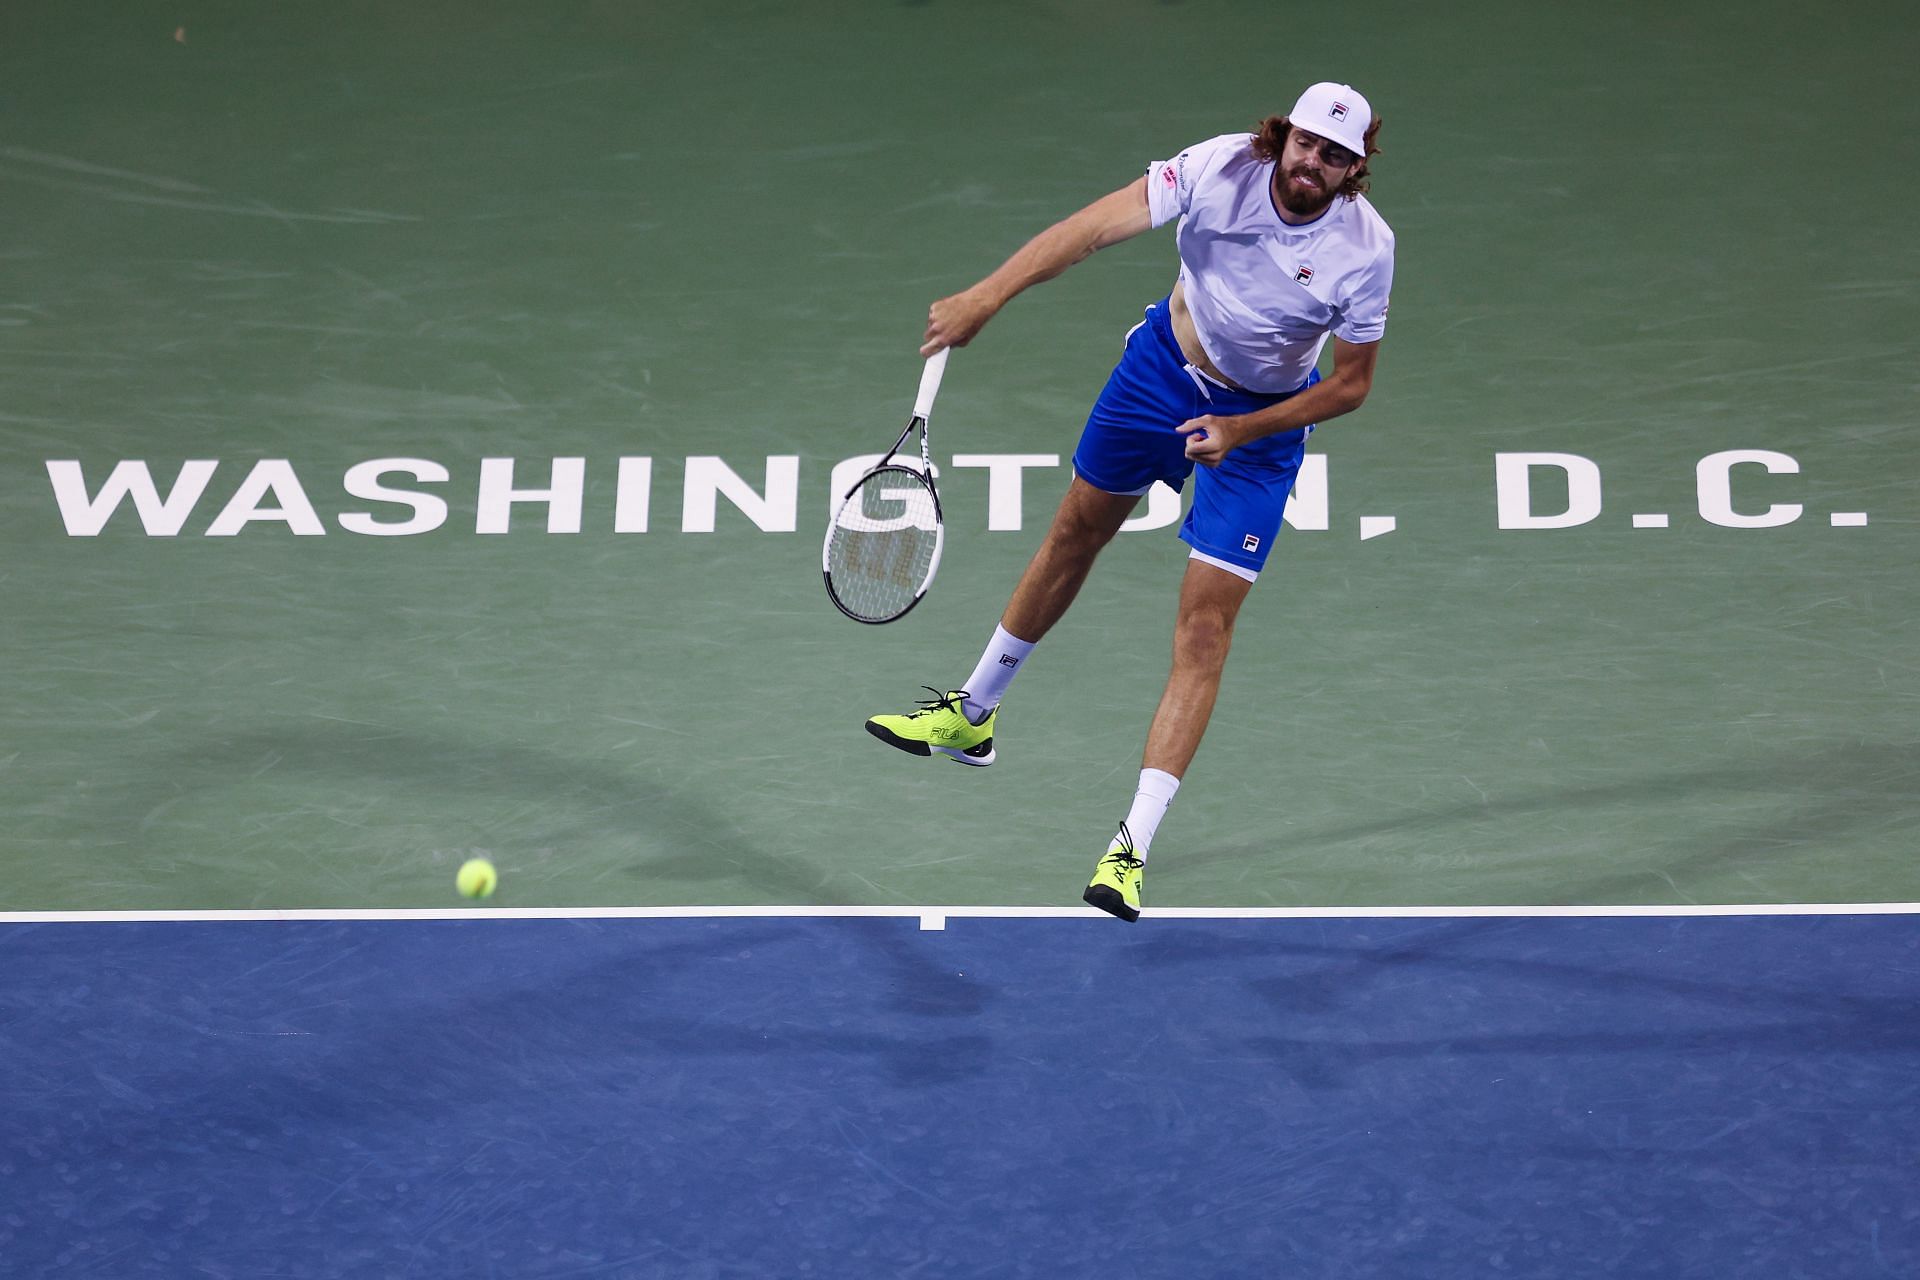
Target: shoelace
point(1123, 856)
point(939, 702)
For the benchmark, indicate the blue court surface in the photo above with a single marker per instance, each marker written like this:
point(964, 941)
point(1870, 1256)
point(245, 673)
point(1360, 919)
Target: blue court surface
point(1048, 1097)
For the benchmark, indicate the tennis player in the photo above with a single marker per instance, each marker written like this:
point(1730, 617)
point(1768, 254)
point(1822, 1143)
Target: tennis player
point(1279, 248)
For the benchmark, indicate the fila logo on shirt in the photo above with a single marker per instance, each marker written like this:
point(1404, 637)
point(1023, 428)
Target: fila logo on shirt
point(1304, 275)
point(1338, 111)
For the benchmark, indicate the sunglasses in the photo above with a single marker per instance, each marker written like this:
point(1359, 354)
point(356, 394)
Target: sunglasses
point(1332, 154)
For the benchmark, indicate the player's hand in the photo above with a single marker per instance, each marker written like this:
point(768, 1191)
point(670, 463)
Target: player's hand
point(952, 321)
point(1209, 439)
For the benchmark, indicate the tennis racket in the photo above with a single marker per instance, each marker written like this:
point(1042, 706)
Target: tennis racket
point(883, 544)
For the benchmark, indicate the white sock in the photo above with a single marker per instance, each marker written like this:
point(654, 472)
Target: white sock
point(995, 671)
point(1149, 806)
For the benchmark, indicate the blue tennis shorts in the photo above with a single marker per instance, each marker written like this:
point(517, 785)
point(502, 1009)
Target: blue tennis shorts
point(1130, 441)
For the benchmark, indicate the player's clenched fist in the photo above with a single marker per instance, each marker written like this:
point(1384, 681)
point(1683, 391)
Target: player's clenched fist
point(1209, 439)
point(952, 321)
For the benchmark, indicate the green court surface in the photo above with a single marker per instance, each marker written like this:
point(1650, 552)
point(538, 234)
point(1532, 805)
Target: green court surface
point(1640, 236)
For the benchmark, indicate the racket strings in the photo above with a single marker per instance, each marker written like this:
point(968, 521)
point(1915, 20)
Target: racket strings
point(884, 544)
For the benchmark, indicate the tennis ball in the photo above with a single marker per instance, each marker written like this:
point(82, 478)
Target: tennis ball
point(477, 878)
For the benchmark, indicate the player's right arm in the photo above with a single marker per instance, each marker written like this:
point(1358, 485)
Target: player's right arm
point(953, 321)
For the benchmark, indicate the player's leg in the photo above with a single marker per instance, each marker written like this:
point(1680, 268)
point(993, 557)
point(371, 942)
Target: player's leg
point(1236, 514)
point(1210, 600)
point(1083, 525)
point(959, 724)
point(1127, 445)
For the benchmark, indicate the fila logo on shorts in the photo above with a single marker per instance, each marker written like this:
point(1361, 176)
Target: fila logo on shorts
point(1250, 543)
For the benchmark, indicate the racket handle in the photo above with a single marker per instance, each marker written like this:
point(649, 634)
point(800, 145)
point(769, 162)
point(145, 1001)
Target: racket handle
point(930, 382)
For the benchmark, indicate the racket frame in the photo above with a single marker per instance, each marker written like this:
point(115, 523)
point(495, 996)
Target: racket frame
point(922, 409)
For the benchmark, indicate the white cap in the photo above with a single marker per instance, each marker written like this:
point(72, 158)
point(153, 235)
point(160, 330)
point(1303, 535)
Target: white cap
point(1336, 112)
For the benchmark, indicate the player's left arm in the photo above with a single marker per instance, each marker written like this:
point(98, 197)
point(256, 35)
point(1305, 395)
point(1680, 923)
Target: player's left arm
point(1211, 438)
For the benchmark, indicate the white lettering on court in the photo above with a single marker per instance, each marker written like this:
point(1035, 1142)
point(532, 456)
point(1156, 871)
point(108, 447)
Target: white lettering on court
point(1307, 508)
point(1513, 484)
point(710, 478)
point(275, 477)
point(84, 517)
point(363, 481)
point(1713, 477)
point(567, 482)
point(272, 493)
point(870, 514)
point(633, 495)
point(847, 472)
point(1004, 490)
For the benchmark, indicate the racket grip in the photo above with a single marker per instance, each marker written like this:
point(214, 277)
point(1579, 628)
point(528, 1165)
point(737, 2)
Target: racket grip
point(930, 382)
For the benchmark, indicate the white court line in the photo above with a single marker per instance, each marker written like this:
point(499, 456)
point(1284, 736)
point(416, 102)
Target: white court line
point(932, 918)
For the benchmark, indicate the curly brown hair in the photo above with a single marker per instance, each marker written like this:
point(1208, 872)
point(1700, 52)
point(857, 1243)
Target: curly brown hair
point(1271, 139)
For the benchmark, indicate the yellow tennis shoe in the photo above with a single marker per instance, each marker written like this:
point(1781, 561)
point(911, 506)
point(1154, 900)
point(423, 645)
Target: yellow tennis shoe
point(1116, 881)
point(939, 725)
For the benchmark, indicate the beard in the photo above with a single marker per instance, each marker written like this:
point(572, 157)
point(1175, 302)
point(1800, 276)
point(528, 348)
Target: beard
point(1301, 200)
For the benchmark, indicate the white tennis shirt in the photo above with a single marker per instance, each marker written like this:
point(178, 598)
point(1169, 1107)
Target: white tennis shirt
point(1265, 294)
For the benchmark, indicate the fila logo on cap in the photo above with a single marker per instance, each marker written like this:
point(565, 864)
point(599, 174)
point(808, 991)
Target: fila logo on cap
point(1338, 111)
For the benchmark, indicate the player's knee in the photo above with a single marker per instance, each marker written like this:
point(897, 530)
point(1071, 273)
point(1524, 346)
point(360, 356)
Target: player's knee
point(1079, 532)
point(1202, 637)
point(1088, 537)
